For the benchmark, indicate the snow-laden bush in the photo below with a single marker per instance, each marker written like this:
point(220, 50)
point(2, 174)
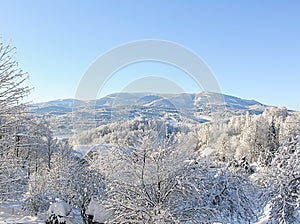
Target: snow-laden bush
point(61, 209)
point(97, 212)
point(58, 213)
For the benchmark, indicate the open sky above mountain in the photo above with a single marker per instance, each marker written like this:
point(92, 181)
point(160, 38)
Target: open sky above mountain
point(253, 47)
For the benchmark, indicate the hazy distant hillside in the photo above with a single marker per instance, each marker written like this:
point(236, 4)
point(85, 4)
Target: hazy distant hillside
point(179, 101)
point(68, 114)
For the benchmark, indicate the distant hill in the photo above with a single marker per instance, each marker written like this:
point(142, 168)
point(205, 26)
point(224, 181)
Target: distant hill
point(66, 115)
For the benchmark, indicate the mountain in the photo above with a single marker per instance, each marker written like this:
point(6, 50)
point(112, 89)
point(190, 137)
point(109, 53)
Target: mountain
point(179, 101)
point(68, 115)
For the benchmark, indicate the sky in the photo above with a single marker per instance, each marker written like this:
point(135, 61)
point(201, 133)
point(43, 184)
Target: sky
point(252, 47)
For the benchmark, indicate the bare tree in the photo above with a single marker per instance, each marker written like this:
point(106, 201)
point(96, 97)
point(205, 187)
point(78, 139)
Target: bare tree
point(12, 78)
point(12, 91)
point(159, 180)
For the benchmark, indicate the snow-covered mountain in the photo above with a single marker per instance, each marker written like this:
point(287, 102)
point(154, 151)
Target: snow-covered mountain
point(186, 107)
point(179, 101)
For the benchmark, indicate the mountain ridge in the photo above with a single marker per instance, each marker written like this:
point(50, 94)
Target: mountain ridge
point(136, 98)
point(66, 115)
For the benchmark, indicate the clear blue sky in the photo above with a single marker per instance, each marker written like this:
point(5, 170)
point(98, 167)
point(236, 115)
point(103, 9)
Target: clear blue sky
point(253, 47)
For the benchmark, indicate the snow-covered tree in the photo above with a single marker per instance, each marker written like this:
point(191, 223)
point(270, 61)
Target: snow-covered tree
point(12, 90)
point(12, 78)
point(72, 180)
point(142, 180)
point(233, 197)
point(285, 183)
point(290, 127)
point(157, 180)
point(37, 197)
point(270, 144)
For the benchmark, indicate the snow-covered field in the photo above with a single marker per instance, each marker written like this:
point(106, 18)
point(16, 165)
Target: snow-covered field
point(19, 219)
point(9, 218)
point(10, 213)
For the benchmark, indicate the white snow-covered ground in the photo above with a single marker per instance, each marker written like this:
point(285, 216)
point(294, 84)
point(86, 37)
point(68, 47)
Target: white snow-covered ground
point(9, 215)
point(6, 218)
point(10, 218)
